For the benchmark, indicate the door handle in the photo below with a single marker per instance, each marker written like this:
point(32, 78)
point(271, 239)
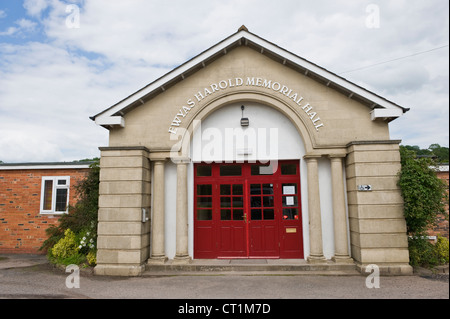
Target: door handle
point(245, 218)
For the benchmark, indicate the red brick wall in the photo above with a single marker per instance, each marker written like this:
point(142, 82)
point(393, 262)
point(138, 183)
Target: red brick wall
point(442, 225)
point(22, 227)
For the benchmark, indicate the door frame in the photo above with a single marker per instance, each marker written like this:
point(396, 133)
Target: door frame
point(210, 227)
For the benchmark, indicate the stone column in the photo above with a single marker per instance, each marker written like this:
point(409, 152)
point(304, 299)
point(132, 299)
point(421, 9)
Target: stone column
point(182, 255)
point(157, 245)
point(341, 254)
point(315, 220)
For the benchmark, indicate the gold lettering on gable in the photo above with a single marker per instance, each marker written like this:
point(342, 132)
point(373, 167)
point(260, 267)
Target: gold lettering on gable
point(248, 81)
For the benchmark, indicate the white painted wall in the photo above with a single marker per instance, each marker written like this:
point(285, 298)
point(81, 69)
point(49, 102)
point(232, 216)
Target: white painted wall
point(270, 136)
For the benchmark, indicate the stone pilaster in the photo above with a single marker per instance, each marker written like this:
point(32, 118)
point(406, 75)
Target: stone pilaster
point(377, 225)
point(123, 234)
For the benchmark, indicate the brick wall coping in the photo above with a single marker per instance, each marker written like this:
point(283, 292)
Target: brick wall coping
point(44, 165)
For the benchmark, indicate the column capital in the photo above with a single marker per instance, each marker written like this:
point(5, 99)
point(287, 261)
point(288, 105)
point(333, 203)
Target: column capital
point(309, 157)
point(337, 155)
point(181, 160)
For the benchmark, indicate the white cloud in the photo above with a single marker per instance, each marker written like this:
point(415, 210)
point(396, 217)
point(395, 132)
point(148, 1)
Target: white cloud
point(35, 7)
point(49, 88)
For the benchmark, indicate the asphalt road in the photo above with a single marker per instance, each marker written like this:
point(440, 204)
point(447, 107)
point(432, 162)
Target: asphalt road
point(39, 280)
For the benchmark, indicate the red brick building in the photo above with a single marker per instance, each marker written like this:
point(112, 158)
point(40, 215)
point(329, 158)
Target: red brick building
point(32, 197)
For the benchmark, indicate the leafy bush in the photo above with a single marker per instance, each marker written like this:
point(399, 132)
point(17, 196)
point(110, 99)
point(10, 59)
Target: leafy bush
point(442, 250)
point(424, 196)
point(66, 246)
point(82, 223)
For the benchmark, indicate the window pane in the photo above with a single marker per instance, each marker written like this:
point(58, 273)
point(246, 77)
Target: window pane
point(225, 214)
point(290, 189)
point(238, 201)
point(203, 170)
point(267, 188)
point(238, 189)
point(225, 202)
point(62, 182)
point(48, 191)
point(230, 170)
point(268, 201)
point(288, 169)
point(269, 214)
point(255, 201)
point(255, 189)
point(289, 201)
point(204, 190)
point(225, 189)
point(262, 169)
point(61, 200)
point(256, 214)
point(204, 201)
point(238, 214)
point(204, 214)
point(290, 213)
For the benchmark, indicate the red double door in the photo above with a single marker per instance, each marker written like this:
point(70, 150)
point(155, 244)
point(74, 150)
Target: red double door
point(248, 210)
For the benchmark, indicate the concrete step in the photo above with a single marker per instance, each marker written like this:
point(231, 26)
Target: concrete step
point(250, 267)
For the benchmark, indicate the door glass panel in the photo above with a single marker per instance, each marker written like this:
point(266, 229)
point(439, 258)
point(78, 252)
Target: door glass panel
point(289, 189)
point(204, 201)
point(289, 201)
point(268, 201)
point(288, 169)
point(204, 214)
point(230, 170)
point(225, 189)
point(267, 188)
point(255, 189)
point(269, 214)
point(238, 189)
point(203, 170)
point(238, 202)
point(238, 214)
point(255, 201)
point(204, 190)
point(290, 213)
point(225, 202)
point(262, 170)
point(256, 214)
point(225, 214)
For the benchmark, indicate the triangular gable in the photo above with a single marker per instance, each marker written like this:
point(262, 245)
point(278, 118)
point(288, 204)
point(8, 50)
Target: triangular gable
point(381, 107)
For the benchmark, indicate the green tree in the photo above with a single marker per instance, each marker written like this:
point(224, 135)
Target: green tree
point(441, 152)
point(424, 196)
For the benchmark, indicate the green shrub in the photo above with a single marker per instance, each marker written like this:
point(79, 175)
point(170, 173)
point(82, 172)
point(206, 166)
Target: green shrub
point(442, 250)
point(91, 258)
point(67, 246)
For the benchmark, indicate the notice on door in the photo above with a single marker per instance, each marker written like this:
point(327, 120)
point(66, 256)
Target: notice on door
point(289, 200)
point(288, 190)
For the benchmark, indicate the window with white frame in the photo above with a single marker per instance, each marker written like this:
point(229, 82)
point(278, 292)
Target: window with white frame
point(55, 194)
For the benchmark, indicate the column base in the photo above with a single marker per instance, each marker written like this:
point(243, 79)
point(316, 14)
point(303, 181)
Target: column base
point(342, 259)
point(316, 259)
point(157, 260)
point(181, 260)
